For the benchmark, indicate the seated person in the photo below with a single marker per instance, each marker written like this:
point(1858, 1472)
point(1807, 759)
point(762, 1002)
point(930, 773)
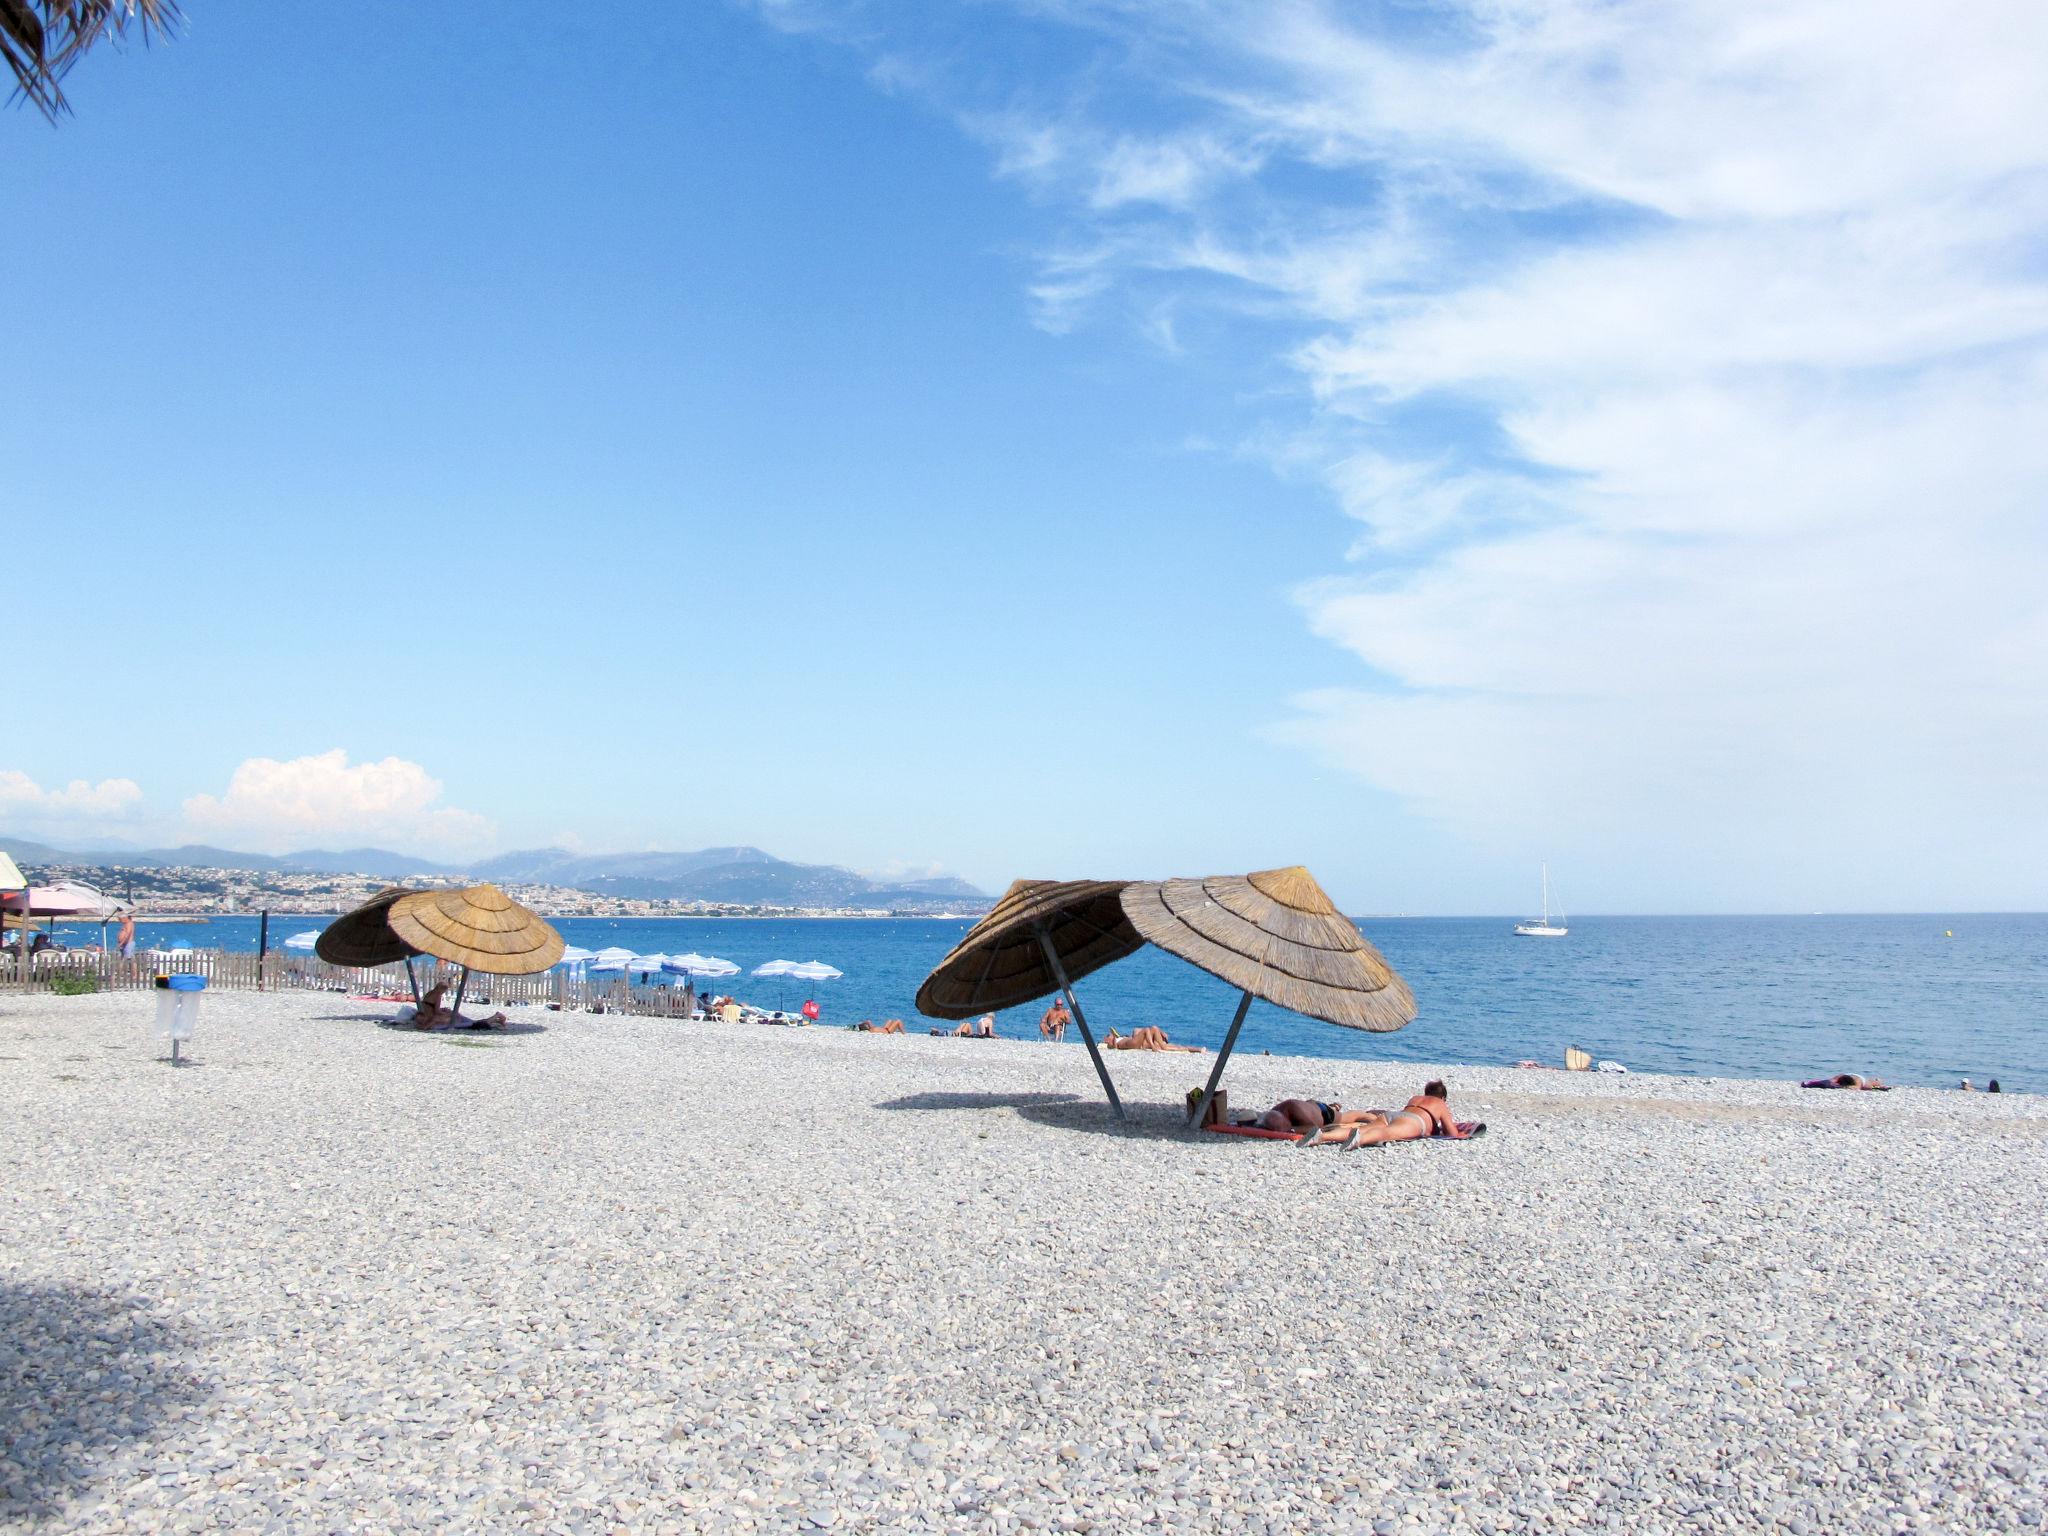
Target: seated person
point(1052, 1025)
point(1848, 1080)
point(1427, 1114)
point(431, 1015)
point(983, 1028)
point(1146, 1037)
point(870, 1027)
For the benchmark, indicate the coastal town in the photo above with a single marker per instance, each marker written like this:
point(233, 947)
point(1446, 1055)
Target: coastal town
point(155, 894)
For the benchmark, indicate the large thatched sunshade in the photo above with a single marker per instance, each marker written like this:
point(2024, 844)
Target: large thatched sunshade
point(1041, 937)
point(479, 928)
point(1277, 935)
point(364, 937)
point(1000, 963)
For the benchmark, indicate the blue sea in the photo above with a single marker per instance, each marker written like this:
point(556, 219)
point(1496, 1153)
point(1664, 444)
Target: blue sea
point(1914, 999)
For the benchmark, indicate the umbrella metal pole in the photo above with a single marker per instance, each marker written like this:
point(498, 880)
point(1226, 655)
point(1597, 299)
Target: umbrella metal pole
point(462, 986)
point(1059, 971)
point(414, 982)
point(1195, 1114)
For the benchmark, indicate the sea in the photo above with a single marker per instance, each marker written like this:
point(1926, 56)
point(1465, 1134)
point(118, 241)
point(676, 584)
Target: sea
point(1923, 999)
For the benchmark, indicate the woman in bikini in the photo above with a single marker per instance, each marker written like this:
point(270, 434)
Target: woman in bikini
point(1146, 1037)
point(431, 1015)
point(1427, 1114)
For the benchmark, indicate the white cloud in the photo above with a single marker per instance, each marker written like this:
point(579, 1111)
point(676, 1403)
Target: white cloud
point(24, 801)
point(1684, 362)
point(277, 807)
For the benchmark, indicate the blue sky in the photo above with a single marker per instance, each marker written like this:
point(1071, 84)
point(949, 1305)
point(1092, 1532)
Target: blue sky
point(1051, 438)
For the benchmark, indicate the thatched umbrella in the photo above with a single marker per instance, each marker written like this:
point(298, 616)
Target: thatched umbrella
point(364, 937)
point(477, 927)
point(1276, 935)
point(1040, 937)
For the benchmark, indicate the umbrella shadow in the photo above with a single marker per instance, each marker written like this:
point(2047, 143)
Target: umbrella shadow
point(979, 1100)
point(514, 1027)
point(56, 1426)
point(1061, 1111)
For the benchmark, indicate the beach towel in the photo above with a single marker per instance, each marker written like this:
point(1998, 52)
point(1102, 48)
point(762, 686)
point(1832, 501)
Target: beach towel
point(1471, 1128)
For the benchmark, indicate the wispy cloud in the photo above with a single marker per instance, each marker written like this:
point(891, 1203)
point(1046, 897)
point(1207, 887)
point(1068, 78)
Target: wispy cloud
point(1683, 363)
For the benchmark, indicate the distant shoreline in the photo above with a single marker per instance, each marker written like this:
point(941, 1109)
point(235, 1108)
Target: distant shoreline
point(810, 914)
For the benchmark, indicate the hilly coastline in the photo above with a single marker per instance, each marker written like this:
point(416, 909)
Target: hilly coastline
point(740, 876)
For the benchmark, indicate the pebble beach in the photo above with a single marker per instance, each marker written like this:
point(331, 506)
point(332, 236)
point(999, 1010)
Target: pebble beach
point(601, 1273)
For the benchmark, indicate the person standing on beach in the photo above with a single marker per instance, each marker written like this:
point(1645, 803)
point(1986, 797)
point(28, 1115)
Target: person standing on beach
point(1053, 1026)
point(125, 939)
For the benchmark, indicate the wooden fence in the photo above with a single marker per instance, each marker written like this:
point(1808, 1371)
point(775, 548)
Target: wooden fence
point(287, 971)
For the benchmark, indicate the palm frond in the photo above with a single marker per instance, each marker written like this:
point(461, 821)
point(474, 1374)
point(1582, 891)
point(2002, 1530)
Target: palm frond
point(42, 39)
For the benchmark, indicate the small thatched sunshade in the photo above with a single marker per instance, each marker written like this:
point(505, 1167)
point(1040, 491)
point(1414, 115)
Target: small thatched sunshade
point(364, 936)
point(1000, 962)
point(478, 927)
point(1276, 935)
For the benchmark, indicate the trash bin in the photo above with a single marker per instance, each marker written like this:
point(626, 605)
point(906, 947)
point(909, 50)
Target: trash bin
point(177, 1009)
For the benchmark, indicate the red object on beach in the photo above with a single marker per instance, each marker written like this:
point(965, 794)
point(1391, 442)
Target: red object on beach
point(811, 1010)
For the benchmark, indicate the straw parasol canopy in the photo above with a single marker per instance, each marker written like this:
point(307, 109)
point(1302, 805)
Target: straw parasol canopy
point(1276, 935)
point(1000, 962)
point(479, 928)
point(364, 936)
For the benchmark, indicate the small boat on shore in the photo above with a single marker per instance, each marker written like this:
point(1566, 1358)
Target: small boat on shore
point(1543, 927)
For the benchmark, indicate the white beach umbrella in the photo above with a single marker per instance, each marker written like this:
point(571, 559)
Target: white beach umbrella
point(694, 964)
point(803, 971)
point(799, 970)
point(303, 941)
point(613, 959)
point(572, 956)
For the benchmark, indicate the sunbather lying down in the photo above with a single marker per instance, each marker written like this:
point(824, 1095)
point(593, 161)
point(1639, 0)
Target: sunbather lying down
point(1146, 1037)
point(1427, 1114)
point(431, 1015)
point(870, 1027)
point(1312, 1115)
point(1848, 1080)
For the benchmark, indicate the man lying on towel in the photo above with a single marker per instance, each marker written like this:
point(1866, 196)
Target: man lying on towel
point(431, 1015)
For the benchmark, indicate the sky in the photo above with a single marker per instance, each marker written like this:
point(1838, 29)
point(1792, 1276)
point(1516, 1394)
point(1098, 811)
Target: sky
point(1055, 438)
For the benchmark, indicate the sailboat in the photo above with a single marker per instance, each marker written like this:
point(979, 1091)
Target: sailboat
point(1544, 928)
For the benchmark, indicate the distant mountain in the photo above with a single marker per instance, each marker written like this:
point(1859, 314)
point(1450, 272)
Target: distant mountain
point(24, 852)
point(364, 861)
point(742, 876)
point(558, 866)
point(353, 861)
point(942, 885)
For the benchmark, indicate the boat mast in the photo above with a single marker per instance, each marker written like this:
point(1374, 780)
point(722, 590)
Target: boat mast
point(1546, 895)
